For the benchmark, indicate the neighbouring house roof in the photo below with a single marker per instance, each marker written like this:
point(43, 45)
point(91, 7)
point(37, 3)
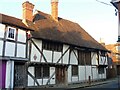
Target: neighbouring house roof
point(63, 31)
point(112, 48)
point(12, 21)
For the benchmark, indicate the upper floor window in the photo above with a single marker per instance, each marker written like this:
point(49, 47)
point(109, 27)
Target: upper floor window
point(52, 46)
point(11, 33)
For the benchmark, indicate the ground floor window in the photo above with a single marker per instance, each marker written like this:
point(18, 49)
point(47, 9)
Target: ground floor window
point(101, 70)
point(74, 70)
point(42, 72)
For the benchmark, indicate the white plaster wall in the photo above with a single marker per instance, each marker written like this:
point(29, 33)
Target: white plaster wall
point(73, 59)
point(94, 58)
point(21, 35)
point(52, 70)
point(2, 30)
point(95, 73)
point(30, 80)
point(35, 52)
point(10, 49)
point(69, 74)
point(21, 50)
point(74, 79)
point(82, 72)
point(56, 56)
point(101, 60)
point(38, 43)
point(1, 47)
point(48, 56)
point(39, 81)
point(66, 56)
point(88, 72)
point(45, 81)
point(9, 74)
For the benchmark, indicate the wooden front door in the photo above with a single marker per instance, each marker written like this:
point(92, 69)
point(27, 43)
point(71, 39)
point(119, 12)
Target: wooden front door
point(19, 75)
point(60, 75)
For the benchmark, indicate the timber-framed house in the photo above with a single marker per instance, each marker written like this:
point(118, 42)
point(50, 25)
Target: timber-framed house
point(13, 51)
point(62, 52)
point(55, 51)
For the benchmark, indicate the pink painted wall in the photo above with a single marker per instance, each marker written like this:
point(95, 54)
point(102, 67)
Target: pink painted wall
point(2, 73)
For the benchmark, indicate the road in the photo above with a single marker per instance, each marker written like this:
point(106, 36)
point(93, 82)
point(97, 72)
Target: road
point(113, 85)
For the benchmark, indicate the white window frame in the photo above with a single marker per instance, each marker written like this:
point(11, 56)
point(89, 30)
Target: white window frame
point(8, 33)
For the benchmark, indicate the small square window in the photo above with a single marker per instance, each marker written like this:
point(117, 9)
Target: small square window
point(11, 33)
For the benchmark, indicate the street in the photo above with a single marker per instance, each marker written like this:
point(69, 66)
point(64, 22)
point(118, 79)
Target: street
point(113, 85)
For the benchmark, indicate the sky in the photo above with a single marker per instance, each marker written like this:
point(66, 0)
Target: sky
point(96, 18)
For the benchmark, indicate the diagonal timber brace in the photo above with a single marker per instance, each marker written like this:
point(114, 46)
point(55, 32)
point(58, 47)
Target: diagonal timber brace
point(39, 50)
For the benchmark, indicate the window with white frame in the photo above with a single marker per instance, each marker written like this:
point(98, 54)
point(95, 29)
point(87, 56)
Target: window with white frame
point(11, 33)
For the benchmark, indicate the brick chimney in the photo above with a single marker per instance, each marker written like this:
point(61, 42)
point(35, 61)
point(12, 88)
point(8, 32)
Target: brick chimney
point(54, 11)
point(27, 11)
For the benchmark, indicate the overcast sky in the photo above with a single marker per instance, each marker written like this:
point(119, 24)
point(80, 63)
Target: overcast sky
point(96, 18)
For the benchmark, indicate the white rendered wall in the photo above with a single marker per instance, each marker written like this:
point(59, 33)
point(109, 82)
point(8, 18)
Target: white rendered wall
point(9, 74)
point(95, 73)
point(21, 50)
point(82, 73)
point(30, 80)
point(69, 74)
point(35, 52)
point(88, 72)
point(56, 56)
point(10, 49)
point(94, 58)
point(1, 47)
point(73, 59)
point(48, 56)
point(52, 70)
point(66, 56)
point(21, 35)
point(103, 60)
point(2, 30)
point(74, 79)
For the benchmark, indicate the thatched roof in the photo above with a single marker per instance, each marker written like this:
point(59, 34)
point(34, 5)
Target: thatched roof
point(12, 21)
point(63, 31)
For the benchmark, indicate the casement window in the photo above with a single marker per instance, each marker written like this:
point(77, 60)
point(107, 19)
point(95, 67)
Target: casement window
point(42, 72)
point(52, 46)
point(101, 70)
point(11, 33)
point(84, 57)
point(74, 70)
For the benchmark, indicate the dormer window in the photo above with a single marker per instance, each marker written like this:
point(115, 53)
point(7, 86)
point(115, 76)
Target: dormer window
point(11, 33)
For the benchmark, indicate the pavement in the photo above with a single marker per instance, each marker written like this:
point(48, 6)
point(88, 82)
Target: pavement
point(76, 85)
point(85, 84)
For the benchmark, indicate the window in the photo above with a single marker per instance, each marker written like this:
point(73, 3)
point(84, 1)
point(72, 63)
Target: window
point(42, 72)
point(100, 70)
point(11, 33)
point(52, 46)
point(84, 58)
point(74, 70)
